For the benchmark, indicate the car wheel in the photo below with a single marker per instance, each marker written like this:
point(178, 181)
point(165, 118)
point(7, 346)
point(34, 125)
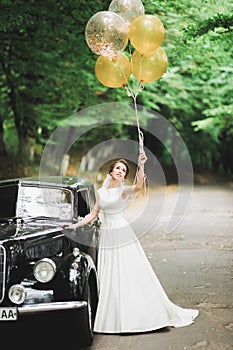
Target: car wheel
point(89, 317)
point(90, 310)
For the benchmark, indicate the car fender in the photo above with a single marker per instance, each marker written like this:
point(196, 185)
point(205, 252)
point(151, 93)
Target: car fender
point(75, 272)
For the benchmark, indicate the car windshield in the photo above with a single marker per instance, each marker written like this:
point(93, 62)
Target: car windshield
point(46, 202)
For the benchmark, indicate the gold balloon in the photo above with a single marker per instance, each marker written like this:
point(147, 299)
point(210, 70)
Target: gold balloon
point(149, 67)
point(127, 9)
point(146, 33)
point(113, 72)
point(106, 33)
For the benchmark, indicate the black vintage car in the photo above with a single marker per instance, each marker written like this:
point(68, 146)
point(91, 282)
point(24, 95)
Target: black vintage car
point(45, 268)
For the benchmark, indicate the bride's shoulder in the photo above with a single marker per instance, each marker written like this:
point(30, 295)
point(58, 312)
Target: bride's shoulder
point(127, 191)
point(128, 188)
point(101, 190)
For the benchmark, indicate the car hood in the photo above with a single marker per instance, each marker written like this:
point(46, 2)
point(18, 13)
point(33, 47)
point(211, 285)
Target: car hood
point(11, 230)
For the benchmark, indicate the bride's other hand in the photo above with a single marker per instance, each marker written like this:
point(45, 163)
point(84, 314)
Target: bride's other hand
point(64, 224)
point(68, 225)
point(71, 227)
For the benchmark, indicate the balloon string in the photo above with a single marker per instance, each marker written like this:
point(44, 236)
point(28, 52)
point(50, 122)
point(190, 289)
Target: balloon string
point(134, 94)
point(140, 133)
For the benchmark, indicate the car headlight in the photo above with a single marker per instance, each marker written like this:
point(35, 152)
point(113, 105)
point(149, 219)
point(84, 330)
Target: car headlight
point(44, 270)
point(17, 294)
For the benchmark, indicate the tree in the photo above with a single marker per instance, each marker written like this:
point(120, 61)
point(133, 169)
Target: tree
point(198, 43)
point(45, 65)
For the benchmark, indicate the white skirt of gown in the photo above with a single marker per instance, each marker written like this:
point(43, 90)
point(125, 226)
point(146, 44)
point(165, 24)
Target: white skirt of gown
point(131, 298)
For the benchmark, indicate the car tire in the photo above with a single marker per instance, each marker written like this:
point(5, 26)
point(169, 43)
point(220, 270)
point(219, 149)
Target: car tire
point(89, 316)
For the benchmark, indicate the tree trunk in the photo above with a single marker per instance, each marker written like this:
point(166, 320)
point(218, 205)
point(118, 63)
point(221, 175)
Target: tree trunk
point(26, 149)
point(3, 151)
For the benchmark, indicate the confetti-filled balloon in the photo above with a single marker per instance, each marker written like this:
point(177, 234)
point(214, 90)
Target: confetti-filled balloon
point(149, 67)
point(106, 33)
point(127, 9)
point(113, 72)
point(146, 33)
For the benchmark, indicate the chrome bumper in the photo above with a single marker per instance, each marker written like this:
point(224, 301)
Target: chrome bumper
point(56, 306)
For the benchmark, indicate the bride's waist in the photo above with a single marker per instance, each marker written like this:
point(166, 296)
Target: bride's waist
point(113, 216)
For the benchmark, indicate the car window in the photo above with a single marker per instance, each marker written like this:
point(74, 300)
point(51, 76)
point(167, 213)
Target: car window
point(83, 202)
point(8, 199)
point(42, 201)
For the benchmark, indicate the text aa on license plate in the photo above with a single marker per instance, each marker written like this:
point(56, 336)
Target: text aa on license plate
point(8, 314)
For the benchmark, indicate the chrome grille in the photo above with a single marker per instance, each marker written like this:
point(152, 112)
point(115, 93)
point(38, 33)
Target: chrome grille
point(2, 271)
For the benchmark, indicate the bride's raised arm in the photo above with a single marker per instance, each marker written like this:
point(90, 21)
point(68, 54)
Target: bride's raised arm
point(140, 176)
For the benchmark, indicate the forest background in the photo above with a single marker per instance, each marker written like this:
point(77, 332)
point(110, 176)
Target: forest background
point(47, 74)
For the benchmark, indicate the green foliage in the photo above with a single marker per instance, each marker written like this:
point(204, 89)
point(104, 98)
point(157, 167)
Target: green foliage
point(195, 93)
point(220, 20)
point(47, 75)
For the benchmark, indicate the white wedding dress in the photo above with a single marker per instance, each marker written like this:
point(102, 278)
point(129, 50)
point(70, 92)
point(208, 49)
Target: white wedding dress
point(131, 298)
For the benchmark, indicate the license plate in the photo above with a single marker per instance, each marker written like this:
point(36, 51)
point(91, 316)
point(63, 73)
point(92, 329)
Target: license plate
point(8, 314)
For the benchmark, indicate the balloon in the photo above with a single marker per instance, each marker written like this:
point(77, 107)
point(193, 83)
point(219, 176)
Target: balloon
point(127, 9)
point(149, 67)
point(113, 72)
point(146, 33)
point(106, 33)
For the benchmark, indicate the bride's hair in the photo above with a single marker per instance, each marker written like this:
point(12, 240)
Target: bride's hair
point(123, 161)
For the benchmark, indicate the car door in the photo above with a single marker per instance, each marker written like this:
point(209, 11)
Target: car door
point(87, 236)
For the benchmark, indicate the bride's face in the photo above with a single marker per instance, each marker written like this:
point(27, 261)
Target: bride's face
point(119, 171)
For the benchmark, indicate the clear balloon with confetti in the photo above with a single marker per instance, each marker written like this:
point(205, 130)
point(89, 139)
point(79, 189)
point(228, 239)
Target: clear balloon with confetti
point(106, 33)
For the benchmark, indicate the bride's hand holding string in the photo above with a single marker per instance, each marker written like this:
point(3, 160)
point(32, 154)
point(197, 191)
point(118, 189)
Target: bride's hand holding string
point(142, 158)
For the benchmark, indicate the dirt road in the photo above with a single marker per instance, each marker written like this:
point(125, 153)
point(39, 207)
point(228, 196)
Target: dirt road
point(194, 265)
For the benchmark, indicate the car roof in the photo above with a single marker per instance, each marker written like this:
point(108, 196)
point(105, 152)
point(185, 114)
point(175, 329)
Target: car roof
point(57, 181)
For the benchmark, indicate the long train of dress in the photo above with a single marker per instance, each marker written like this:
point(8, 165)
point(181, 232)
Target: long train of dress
point(131, 298)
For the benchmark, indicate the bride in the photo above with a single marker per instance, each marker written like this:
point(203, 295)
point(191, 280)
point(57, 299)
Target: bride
point(131, 298)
